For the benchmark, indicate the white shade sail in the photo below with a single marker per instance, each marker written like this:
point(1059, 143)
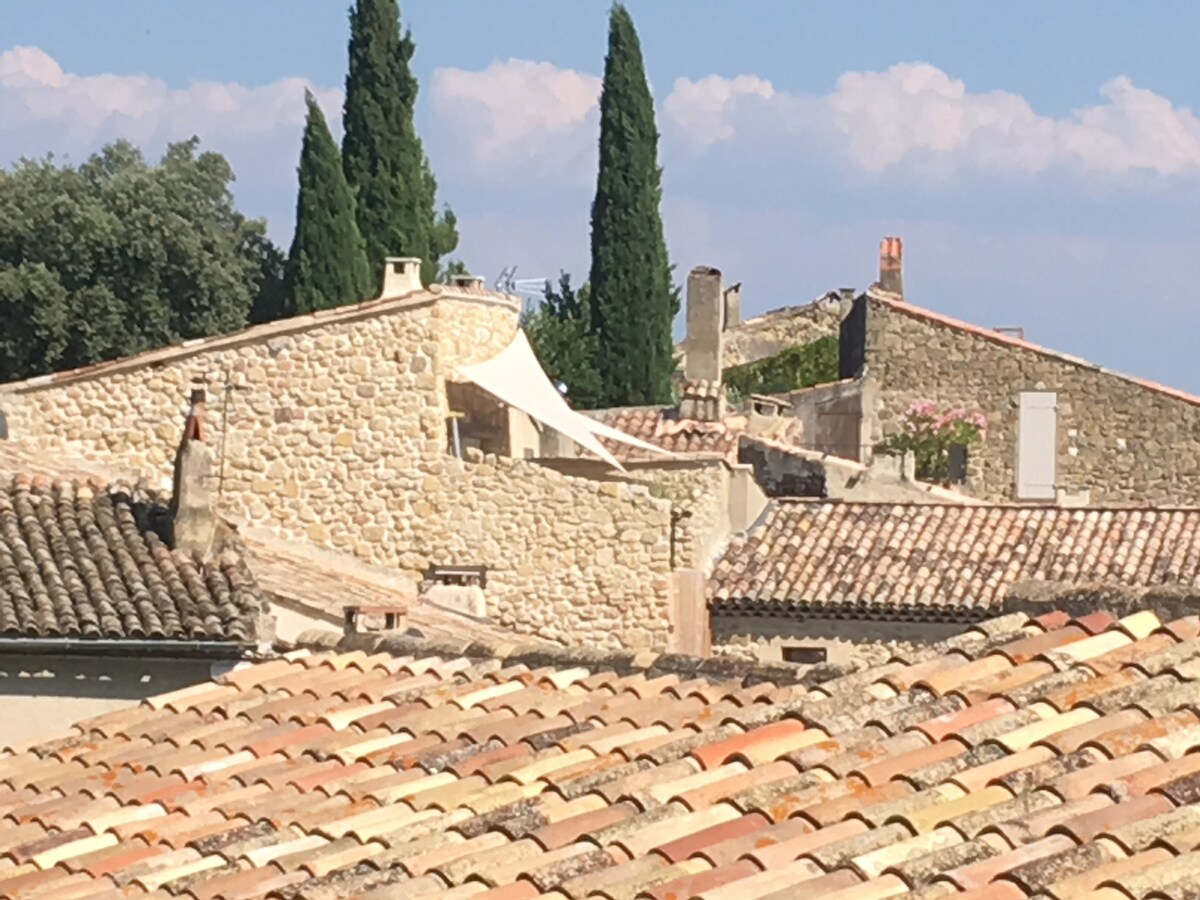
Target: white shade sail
point(514, 376)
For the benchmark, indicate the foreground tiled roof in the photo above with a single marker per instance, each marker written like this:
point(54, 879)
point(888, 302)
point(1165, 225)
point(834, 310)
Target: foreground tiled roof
point(1044, 758)
point(934, 559)
point(83, 561)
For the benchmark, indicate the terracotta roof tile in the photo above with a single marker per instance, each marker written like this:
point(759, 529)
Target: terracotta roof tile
point(85, 561)
point(947, 561)
point(1022, 776)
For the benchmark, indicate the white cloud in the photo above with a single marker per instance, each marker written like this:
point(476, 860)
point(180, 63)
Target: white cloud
point(520, 117)
point(700, 107)
point(46, 109)
point(915, 112)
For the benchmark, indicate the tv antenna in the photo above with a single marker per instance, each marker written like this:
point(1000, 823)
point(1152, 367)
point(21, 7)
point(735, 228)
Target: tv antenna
point(529, 288)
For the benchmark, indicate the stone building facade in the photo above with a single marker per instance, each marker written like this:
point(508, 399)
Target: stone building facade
point(1099, 437)
point(335, 428)
point(762, 336)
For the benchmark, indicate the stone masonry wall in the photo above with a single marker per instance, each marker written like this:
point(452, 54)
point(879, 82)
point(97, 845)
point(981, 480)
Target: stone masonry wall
point(1125, 443)
point(775, 331)
point(855, 642)
point(700, 489)
point(336, 433)
point(569, 559)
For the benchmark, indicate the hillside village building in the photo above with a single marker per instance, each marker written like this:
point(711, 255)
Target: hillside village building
point(1060, 429)
point(411, 446)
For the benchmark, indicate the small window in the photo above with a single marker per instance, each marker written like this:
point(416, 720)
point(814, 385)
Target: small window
point(765, 409)
point(958, 464)
point(3, 426)
point(805, 656)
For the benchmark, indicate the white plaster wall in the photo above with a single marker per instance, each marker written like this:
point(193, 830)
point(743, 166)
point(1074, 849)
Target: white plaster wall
point(43, 696)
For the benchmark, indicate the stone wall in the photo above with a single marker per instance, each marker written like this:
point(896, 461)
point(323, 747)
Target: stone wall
point(333, 429)
point(710, 499)
point(701, 491)
point(568, 559)
point(775, 331)
point(846, 642)
point(831, 416)
point(1123, 442)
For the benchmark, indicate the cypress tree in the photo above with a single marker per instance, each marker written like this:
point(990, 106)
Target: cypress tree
point(633, 303)
point(327, 265)
point(381, 152)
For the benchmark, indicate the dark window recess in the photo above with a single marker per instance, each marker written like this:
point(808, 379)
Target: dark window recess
point(3, 426)
point(457, 575)
point(806, 656)
point(958, 464)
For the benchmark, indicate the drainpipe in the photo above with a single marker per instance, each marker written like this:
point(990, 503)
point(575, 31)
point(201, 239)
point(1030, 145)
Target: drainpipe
point(677, 516)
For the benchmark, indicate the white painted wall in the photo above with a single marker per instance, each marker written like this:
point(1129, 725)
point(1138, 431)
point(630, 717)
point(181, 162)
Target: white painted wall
point(42, 696)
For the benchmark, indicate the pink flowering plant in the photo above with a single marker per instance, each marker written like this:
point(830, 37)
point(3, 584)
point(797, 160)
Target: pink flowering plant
point(928, 434)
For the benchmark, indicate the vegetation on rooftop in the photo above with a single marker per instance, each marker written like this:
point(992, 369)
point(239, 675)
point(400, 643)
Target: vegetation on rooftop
point(929, 433)
point(789, 370)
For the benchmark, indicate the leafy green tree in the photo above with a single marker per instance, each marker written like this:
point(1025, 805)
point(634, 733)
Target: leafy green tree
point(633, 303)
point(271, 298)
point(115, 256)
point(384, 161)
point(327, 265)
point(559, 332)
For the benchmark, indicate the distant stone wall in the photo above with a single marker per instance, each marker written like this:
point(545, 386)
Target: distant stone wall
point(1125, 443)
point(337, 433)
point(772, 332)
point(568, 559)
point(700, 494)
point(855, 643)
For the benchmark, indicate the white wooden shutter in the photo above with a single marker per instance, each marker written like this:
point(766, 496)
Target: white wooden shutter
point(1037, 445)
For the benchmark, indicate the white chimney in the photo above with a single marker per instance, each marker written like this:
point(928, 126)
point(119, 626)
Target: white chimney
point(401, 276)
point(467, 282)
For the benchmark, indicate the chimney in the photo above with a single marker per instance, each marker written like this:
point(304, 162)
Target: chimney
point(467, 282)
point(705, 315)
point(733, 306)
point(193, 517)
point(891, 266)
point(401, 276)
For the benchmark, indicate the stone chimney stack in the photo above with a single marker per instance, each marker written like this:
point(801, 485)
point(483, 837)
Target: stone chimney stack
point(733, 305)
point(193, 512)
point(401, 276)
point(705, 322)
point(467, 282)
point(891, 266)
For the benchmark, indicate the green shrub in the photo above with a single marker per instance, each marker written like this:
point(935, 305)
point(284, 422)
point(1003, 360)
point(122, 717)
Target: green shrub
point(789, 370)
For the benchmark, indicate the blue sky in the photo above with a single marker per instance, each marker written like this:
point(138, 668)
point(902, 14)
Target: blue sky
point(1040, 160)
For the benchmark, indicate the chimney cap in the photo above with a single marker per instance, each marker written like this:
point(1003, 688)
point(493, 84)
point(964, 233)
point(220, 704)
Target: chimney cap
point(707, 270)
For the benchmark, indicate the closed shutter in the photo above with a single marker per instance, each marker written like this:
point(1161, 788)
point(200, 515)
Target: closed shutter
point(1037, 445)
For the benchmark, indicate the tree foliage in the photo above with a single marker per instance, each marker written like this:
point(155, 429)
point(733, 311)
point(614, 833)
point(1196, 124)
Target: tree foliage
point(327, 265)
point(789, 370)
point(633, 303)
point(384, 161)
point(928, 434)
point(115, 256)
point(559, 332)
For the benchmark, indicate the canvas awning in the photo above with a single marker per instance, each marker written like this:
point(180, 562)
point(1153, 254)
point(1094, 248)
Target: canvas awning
point(514, 376)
